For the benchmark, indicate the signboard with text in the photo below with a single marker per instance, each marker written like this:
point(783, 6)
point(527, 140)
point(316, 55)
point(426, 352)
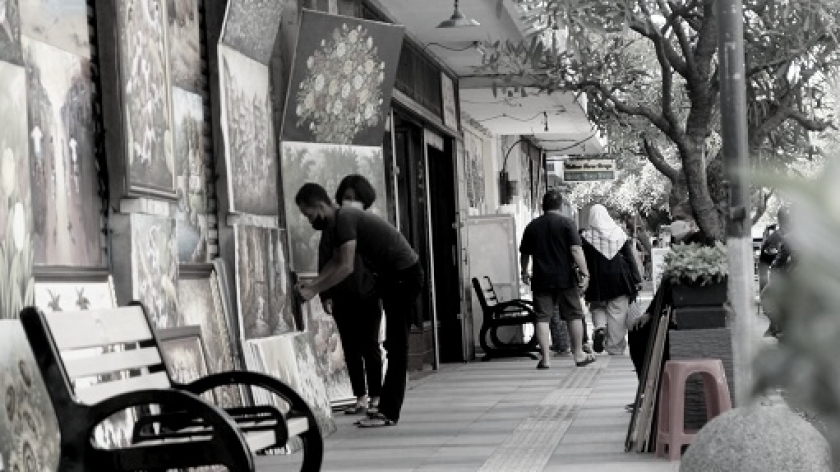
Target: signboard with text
point(588, 170)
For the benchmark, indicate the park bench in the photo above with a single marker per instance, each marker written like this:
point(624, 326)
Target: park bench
point(499, 314)
point(189, 432)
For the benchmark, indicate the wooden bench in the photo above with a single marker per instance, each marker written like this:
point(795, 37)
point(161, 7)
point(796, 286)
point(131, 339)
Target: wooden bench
point(498, 314)
point(191, 432)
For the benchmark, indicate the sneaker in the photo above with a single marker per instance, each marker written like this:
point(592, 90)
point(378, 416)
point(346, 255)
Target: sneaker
point(598, 340)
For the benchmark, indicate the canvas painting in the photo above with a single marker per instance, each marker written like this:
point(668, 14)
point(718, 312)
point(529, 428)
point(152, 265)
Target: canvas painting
point(16, 241)
point(56, 296)
point(274, 356)
point(342, 80)
point(191, 166)
point(262, 282)
point(450, 103)
point(29, 438)
point(329, 353)
point(185, 44)
point(251, 27)
point(144, 72)
point(184, 355)
point(474, 170)
point(155, 268)
point(10, 50)
point(311, 385)
point(59, 23)
point(325, 165)
point(250, 146)
point(200, 304)
point(66, 204)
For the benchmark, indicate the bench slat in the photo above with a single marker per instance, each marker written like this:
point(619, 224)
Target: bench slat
point(97, 328)
point(297, 426)
point(98, 392)
point(112, 362)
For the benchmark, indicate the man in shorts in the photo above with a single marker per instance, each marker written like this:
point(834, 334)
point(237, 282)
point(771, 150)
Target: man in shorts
point(553, 242)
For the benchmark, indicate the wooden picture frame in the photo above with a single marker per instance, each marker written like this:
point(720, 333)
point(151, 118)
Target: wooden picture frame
point(185, 355)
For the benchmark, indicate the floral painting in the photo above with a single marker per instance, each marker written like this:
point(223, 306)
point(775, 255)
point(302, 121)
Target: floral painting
point(16, 252)
point(200, 304)
point(329, 353)
point(191, 164)
point(185, 44)
point(144, 72)
point(10, 50)
point(326, 165)
point(342, 80)
point(59, 23)
point(29, 437)
point(262, 283)
point(155, 268)
point(65, 197)
point(250, 144)
point(251, 27)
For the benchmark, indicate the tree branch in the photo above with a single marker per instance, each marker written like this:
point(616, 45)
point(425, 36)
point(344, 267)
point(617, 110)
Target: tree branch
point(658, 160)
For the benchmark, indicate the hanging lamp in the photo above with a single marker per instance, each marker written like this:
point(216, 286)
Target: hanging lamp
point(458, 20)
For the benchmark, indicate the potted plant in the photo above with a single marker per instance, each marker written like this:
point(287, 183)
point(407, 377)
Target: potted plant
point(698, 276)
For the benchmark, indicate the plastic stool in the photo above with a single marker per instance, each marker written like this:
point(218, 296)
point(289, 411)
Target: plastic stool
point(670, 427)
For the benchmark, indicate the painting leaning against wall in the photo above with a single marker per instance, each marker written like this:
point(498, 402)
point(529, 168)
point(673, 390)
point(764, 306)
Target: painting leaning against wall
point(326, 165)
point(147, 110)
point(155, 268)
point(65, 186)
point(185, 44)
point(63, 24)
point(191, 215)
point(16, 252)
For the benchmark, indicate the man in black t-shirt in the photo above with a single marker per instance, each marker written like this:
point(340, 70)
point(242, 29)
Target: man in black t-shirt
point(553, 242)
point(400, 280)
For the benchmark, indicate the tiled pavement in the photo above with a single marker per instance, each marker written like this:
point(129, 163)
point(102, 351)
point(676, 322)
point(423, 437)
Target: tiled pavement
point(502, 415)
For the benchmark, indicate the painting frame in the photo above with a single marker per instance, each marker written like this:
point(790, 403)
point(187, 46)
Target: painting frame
point(188, 337)
point(61, 24)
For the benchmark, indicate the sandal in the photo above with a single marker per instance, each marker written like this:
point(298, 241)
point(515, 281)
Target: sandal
point(356, 409)
point(542, 365)
point(586, 361)
point(376, 421)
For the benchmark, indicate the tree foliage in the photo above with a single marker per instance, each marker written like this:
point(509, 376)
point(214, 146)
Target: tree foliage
point(651, 67)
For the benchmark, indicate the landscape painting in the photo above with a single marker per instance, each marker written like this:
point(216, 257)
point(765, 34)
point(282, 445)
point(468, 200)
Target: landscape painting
point(275, 356)
point(200, 304)
point(16, 240)
point(155, 268)
point(185, 44)
point(311, 385)
point(29, 438)
point(65, 197)
point(184, 355)
point(191, 164)
point(59, 23)
point(262, 283)
point(250, 27)
point(474, 170)
point(329, 353)
point(326, 165)
point(10, 50)
point(146, 105)
point(250, 149)
point(342, 79)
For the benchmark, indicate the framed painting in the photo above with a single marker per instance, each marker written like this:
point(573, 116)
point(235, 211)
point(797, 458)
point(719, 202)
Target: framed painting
point(450, 101)
point(16, 239)
point(265, 292)
point(191, 165)
point(184, 355)
point(342, 79)
point(329, 353)
point(58, 289)
point(63, 24)
point(251, 27)
point(200, 304)
point(247, 130)
point(185, 44)
point(29, 436)
point(326, 165)
point(67, 209)
point(10, 50)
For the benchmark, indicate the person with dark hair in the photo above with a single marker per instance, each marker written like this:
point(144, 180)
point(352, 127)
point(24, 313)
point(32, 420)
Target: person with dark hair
point(355, 306)
point(553, 242)
point(400, 280)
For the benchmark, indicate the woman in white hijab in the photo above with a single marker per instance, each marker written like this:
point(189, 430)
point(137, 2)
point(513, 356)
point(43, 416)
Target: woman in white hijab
point(615, 279)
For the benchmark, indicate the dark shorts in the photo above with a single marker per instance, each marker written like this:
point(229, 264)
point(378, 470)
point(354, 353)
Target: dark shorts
point(567, 300)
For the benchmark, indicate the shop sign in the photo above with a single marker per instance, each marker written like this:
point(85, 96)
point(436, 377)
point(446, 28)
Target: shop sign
point(589, 170)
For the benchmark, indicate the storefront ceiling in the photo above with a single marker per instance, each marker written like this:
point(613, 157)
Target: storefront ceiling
point(569, 130)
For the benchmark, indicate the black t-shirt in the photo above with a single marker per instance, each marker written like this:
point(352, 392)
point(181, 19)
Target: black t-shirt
point(548, 240)
point(377, 241)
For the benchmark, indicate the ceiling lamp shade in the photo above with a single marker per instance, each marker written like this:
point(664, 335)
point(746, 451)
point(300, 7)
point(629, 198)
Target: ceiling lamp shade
point(457, 20)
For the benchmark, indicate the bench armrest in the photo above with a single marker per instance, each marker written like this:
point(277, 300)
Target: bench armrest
point(224, 428)
point(513, 306)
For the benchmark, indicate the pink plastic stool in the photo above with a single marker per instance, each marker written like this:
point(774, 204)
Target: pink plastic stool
point(670, 427)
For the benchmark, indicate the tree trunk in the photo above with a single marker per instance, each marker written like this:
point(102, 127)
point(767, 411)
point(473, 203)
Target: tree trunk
point(694, 168)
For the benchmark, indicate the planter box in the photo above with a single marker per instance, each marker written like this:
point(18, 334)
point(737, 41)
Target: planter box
point(700, 317)
point(699, 295)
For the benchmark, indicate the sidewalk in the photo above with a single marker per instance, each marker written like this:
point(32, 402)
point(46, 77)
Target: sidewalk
point(502, 415)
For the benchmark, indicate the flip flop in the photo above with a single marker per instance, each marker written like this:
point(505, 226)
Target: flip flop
point(540, 365)
point(377, 421)
point(588, 360)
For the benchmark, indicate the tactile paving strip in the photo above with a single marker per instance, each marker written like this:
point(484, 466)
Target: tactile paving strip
point(532, 443)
